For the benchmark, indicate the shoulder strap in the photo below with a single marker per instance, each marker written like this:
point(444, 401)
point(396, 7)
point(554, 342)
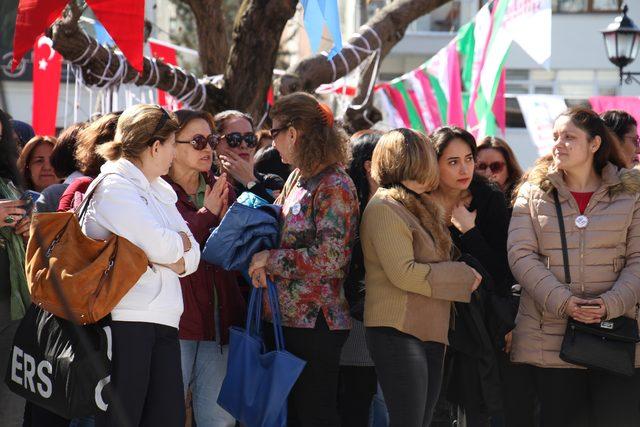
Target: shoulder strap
point(81, 210)
point(563, 238)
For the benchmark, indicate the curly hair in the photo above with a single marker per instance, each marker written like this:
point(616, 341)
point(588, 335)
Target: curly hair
point(320, 141)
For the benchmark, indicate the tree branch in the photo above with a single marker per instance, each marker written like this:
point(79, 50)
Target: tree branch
point(99, 65)
point(256, 38)
point(213, 46)
point(389, 24)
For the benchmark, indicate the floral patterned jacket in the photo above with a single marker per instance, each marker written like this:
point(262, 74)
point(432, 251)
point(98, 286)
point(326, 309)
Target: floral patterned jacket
point(319, 224)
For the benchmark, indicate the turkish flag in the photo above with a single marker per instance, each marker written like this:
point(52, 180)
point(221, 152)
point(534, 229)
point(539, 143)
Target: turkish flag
point(168, 55)
point(47, 66)
point(124, 20)
point(34, 16)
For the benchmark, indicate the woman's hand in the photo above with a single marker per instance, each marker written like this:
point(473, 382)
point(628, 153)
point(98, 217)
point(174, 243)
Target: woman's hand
point(259, 278)
point(478, 280)
point(462, 219)
point(507, 342)
point(13, 209)
point(177, 267)
point(186, 241)
point(240, 169)
point(586, 315)
point(216, 198)
point(23, 228)
point(258, 261)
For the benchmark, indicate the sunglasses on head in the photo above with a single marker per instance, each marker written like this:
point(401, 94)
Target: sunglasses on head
point(234, 139)
point(199, 142)
point(494, 167)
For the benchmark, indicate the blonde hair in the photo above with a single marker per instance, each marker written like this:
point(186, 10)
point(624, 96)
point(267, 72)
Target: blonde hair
point(404, 155)
point(138, 128)
point(320, 141)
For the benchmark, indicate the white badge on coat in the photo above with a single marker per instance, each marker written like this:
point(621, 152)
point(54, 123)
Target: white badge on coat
point(295, 209)
point(582, 221)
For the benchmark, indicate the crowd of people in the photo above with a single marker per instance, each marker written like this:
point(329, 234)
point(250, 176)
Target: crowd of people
point(422, 278)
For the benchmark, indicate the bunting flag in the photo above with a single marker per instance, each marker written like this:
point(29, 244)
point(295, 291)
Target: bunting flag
point(317, 13)
point(32, 19)
point(124, 20)
point(168, 55)
point(47, 68)
point(464, 83)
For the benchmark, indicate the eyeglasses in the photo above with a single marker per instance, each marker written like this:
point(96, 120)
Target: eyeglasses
point(275, 131)
point(494, 167)
point(234, 139)
point(199, 142)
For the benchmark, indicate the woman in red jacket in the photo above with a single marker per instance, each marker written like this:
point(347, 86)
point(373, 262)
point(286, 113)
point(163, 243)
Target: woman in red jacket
point(212, 299)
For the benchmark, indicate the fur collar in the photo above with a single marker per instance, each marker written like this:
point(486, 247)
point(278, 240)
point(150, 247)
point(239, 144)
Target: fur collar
point(429, 213)
point(545, 175)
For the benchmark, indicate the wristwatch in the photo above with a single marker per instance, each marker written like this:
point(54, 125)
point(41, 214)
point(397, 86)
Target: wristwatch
point(251, 184)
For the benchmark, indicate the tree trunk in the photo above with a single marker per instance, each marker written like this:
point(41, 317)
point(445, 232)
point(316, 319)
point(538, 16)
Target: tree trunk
point(390, 24)
point(213, 46)
point(256, 40)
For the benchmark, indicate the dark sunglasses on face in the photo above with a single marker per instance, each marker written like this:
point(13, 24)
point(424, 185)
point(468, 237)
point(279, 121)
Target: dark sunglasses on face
point(494, 167)
point(234, 139)
point(199, 142)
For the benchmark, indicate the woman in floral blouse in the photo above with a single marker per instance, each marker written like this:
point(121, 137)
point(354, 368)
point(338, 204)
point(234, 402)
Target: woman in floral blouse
point(319, 220)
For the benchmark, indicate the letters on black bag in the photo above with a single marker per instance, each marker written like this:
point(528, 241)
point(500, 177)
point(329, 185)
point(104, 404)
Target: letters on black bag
point(49, 367)
point(609, 345)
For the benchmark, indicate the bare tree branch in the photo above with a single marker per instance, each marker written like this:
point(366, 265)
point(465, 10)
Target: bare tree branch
point(389, 24)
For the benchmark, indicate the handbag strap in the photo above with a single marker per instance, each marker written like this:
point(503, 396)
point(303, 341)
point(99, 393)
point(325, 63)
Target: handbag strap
point(563, 238)
point(81, 210)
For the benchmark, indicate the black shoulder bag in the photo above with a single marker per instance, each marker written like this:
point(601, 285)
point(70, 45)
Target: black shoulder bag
point(609, 345)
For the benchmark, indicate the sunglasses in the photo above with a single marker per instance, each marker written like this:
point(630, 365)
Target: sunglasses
point(275, 131)
point(199, 142)
point(494, 167)
point(234, 139)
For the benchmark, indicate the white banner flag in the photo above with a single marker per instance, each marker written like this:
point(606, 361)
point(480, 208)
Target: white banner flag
point(540, 112)
point(529, 24)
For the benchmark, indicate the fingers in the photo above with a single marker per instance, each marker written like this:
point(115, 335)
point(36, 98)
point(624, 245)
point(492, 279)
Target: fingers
point(9, 203)
point(259, 278)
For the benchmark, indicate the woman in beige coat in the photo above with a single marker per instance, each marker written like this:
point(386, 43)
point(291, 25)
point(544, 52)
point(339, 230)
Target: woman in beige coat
point(601, 215)
point(410, 279)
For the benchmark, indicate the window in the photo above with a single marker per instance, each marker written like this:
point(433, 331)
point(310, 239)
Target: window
point(568, 6)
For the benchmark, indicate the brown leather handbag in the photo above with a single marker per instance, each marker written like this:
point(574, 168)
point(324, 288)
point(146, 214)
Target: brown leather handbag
point(76, 277)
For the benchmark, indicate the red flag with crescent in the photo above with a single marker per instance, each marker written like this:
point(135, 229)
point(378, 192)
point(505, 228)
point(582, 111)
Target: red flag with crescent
point(47, 67)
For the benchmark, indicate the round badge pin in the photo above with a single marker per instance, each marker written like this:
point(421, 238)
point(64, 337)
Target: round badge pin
point(582, 221)
point(295, 209)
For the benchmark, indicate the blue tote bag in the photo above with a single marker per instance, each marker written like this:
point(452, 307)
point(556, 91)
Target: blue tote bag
point(257, 384)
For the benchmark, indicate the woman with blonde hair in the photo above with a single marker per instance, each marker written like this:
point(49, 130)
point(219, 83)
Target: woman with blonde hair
point(131, 199)
point(318, 229)
point(411, 280)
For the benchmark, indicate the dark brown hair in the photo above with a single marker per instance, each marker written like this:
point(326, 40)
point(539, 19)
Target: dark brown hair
point(96, 133)
point(442, 137)
point(589, 121)
point(620, 122)
point(185, 116)
point(63, 157)
point(318, 142)
point(220, 119)
point(514, 171)
point(27, 152)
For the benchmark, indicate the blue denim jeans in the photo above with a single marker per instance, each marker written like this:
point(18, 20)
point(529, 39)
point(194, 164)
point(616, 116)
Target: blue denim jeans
point(204, 365)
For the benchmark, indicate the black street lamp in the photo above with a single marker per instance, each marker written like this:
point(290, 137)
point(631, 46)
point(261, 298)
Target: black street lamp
point(622, 39)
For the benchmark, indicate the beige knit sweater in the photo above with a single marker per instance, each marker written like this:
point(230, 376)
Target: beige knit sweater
point(409, 282)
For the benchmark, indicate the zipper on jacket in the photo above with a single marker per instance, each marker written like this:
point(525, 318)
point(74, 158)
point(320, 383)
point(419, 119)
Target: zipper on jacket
point(582, 260)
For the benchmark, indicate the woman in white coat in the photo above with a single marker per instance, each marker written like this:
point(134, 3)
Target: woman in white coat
point(133, 201)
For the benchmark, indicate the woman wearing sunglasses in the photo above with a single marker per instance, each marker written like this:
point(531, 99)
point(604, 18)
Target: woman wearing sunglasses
point(477, 216)
point(318, 229)
point(235, 149)
point(497, 162)
point(212, 299)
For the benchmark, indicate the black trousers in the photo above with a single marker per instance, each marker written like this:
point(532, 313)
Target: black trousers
point(146, 377)
point(410, 374)
point(580, 397)
point(313, 400)
point(357, 387)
